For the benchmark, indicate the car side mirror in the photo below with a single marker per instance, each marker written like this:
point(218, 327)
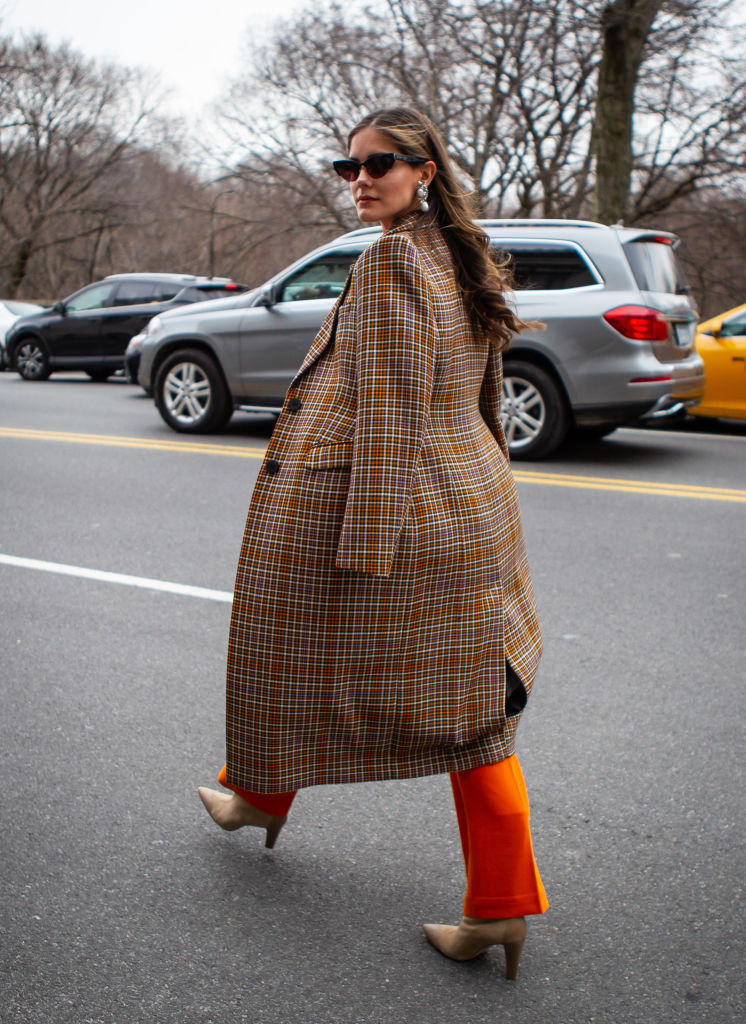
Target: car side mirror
point(268, 297)
point(59, 307)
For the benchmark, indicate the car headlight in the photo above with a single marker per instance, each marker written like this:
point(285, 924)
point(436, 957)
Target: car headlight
point(135, 344)
point(153, 327)
point(150, 330)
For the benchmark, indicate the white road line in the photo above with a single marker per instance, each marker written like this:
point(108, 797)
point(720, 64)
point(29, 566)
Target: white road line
point(688, 435)
point(117, 577)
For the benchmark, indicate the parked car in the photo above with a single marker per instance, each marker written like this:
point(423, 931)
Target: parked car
point(10, 311)
point(618, 343)
point(90, 329)
point(721, 341)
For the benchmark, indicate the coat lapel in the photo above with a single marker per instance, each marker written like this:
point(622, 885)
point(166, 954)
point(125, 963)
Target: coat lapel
point(325, 337)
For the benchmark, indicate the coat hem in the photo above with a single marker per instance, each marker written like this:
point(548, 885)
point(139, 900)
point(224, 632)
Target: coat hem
point(378, 769)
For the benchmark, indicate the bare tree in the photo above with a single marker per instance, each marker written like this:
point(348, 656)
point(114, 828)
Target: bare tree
point(66, 126)
point(512, 83)
point(89, 183)
point(690, 109)
point(509, 83)
point(625, 27)
point(671, 105)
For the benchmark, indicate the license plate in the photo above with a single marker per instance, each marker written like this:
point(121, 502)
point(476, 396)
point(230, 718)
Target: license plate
point(684, 334)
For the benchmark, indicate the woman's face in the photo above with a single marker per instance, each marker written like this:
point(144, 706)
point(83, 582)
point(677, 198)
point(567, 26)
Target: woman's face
point(390, 197)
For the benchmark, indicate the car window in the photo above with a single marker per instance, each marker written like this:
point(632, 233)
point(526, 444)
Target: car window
point(734, 326)
point(164, 291)
point(323, 279)
point(655, 267)
point(545, 267)
point(133, 293)
point(95, 297)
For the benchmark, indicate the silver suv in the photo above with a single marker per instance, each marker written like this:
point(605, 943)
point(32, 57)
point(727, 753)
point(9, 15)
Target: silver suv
point(618, 345)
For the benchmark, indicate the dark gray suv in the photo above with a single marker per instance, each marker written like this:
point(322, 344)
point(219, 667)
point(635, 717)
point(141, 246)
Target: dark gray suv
point(618, 345)
point(90, 329)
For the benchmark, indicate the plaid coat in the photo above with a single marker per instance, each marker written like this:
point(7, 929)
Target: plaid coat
point(383, 584)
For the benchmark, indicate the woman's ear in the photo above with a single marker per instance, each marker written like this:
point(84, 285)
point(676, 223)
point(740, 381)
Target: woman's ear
point(428, 170)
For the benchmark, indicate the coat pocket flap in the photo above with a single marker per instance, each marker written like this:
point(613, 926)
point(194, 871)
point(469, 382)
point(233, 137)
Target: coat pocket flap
point(330, 456)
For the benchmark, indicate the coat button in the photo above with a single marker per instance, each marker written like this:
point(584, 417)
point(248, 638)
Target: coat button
point(272, 466)
point(295, 404)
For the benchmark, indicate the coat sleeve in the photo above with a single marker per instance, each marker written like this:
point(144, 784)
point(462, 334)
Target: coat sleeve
point(490, 397)
point(394, 362)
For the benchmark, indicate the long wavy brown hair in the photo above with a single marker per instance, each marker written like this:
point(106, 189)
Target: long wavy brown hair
point(483, 282)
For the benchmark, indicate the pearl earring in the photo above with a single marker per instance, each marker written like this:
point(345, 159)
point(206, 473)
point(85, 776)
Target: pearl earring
point(422, 196)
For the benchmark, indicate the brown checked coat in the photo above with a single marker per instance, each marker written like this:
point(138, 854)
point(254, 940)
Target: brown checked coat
point(383, 584)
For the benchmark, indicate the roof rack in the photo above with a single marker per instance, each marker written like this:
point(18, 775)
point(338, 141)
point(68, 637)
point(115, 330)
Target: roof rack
point(528, 222)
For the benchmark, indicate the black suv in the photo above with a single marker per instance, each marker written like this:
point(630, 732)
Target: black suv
point(90, 330)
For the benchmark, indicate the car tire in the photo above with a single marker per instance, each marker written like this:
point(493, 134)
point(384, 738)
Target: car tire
point(99, 375)
point(190, 393)
point(594, 433)
point(534, 411)
point(31, 359)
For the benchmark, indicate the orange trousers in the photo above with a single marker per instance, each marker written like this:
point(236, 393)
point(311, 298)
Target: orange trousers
point(502, 879)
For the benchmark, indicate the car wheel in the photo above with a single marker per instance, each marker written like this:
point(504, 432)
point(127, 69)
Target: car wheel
point(534, 412)
point(99, 375)
point(31, 359)
point(190, 393)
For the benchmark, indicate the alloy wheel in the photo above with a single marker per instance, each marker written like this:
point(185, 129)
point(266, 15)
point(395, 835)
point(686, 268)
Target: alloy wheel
point(523, 412)
point(187, 393)
point(31, 361)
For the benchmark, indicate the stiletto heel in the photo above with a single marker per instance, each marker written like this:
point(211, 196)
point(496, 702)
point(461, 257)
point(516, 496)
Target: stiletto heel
point(273, 831)
point(232, 812)
point(475, 934)
point(512, 956)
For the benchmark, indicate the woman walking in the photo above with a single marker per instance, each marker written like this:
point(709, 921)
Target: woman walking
point(384, 624)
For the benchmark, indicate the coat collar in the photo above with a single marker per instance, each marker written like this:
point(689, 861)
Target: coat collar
point(407, 222)
point(326, 333)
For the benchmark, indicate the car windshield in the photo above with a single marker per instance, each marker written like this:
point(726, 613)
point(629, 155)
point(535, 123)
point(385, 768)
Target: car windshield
point(735, 325)
point(655, 266)
point(323, 279)
point(21, 308)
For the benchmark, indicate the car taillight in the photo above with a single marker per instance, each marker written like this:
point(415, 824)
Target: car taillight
point(638, 323)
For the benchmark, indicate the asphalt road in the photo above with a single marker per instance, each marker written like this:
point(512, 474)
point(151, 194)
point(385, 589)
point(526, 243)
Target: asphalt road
point(123, 903)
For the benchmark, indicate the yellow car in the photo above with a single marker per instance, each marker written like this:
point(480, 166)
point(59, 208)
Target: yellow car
point(721, 341)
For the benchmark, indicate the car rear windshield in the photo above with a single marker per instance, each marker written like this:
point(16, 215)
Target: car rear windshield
point(655, 266)
point(545, 267)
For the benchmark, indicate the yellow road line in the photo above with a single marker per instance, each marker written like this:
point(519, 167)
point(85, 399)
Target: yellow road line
point(134, 442)
point(600, 483)
point(597, 483)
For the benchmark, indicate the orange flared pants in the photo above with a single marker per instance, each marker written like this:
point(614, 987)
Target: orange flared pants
point(502, 879)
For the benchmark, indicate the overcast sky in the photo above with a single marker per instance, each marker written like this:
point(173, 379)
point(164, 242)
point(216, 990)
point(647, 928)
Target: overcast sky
point(194, 45)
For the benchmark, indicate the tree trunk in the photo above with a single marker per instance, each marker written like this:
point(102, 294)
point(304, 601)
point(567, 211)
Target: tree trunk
point(19, 266)
point(625, 26)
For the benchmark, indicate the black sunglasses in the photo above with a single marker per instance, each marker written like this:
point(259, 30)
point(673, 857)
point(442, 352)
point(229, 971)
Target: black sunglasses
point(376, 165)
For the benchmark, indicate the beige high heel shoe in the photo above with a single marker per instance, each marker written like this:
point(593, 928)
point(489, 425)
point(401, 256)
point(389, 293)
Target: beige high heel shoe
point(232, 812)
point(476, 934)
